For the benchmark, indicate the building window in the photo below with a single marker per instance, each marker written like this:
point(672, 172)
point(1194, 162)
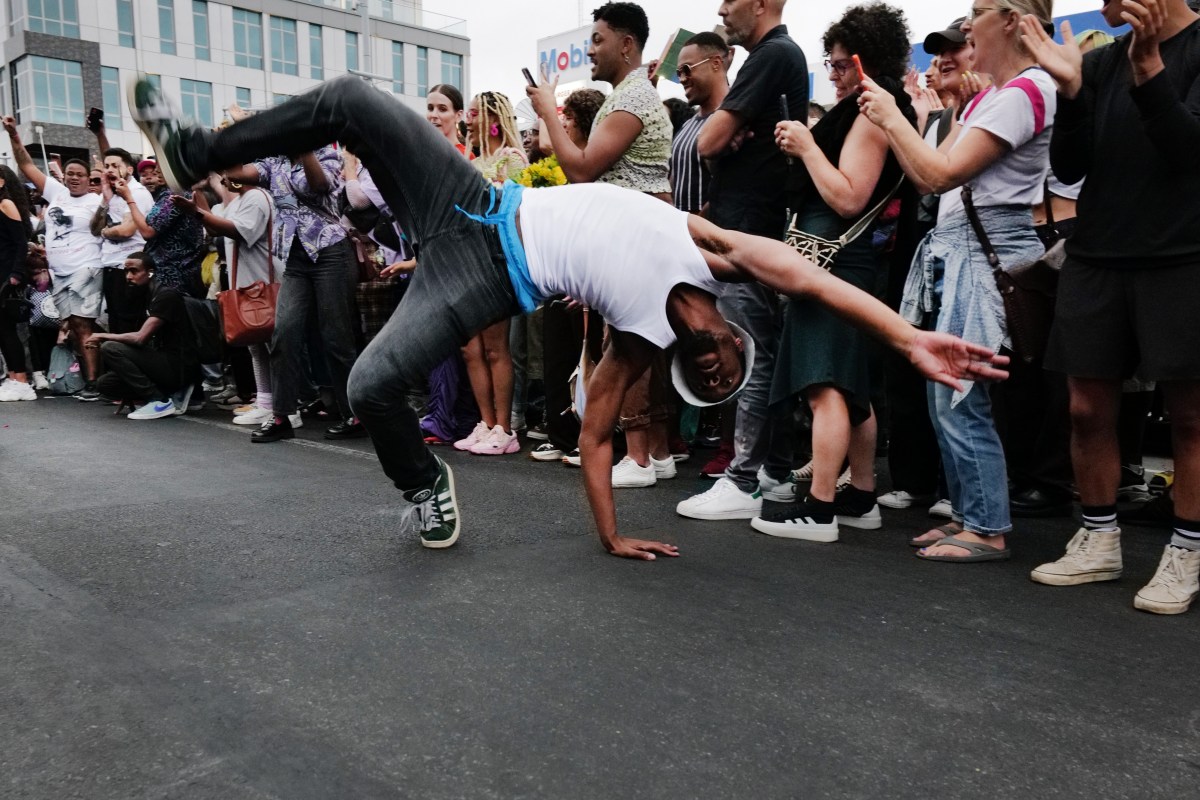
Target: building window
point(125, 23)
point(398, 67)
point(57, 17)
point(155, 81)
point(49, 90)
point(166, 26)
point(276, 99)
point(452, 68)
point(196, 99)
point(284, 58)
point(316, 52)
point(247, 39)
point(422, 71)
point(352, 51)
point(243, 98)
point(200, 22)
point(110, 80)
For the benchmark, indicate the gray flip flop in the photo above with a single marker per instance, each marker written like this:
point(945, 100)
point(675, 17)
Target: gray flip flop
point(975, 551)
point(950, 529)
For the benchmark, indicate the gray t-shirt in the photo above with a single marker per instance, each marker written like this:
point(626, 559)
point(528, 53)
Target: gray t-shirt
point(251, 213)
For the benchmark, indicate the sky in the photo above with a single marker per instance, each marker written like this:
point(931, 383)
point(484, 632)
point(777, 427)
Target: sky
point(504, 33)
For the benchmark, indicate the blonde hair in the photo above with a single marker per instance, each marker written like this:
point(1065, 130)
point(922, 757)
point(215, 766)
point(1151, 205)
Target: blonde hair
point(1042, 9)
point(498, 107)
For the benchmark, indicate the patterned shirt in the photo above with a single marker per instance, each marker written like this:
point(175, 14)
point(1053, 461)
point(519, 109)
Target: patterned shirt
point(501, 165)
point(177, 245)
point(300, 212)
point(689, 174)
point(643, 166)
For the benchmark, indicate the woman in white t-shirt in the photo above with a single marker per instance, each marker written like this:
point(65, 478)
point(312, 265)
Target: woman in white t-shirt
point(1000, 149)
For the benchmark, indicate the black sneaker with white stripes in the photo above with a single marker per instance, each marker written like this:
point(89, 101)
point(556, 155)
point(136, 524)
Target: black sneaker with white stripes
point(810, 520)
point(434, 511)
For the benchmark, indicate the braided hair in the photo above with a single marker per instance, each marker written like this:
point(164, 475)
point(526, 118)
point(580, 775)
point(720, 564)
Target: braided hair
point(494, 105)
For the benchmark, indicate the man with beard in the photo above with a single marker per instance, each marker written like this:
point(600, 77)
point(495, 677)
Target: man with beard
point(487, 254)
point(114, 224)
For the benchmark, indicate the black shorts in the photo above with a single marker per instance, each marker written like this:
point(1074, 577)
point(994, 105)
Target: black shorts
point(1112, 324)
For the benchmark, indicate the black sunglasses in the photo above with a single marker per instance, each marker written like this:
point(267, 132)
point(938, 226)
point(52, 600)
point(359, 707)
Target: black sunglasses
point(95, 181)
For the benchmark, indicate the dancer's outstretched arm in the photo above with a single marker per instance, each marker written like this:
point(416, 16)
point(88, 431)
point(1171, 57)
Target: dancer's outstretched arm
point(940, 357)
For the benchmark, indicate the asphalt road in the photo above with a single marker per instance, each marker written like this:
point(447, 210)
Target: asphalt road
point(186, 615)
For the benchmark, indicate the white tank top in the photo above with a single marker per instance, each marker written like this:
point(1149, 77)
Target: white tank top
point(619, 251)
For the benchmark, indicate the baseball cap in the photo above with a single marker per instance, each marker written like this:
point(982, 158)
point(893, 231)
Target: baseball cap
point(146, 162)
point(940, 41)
point(679, 377)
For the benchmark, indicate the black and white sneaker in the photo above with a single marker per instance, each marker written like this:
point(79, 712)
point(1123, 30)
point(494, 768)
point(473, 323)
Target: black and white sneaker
point(857, 508)
point(165, 127)
point(434, 511)
point(810, 520)
point(546, 451)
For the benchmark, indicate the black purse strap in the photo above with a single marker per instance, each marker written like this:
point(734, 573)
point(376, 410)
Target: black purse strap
point(976, 225)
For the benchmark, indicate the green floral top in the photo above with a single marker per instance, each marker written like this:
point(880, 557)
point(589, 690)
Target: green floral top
point(643, 167)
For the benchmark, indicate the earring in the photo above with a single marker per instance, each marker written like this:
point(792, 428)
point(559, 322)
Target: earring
point(626, 58)
point(494, 130)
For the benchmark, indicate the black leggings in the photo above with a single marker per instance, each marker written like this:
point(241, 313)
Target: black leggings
point(11, 347)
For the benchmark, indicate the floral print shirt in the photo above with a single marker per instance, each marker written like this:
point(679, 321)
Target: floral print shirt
point(299, 212)
point(177, 245)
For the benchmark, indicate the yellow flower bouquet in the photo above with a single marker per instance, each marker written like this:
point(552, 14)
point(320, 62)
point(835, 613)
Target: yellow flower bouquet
point(542, 173)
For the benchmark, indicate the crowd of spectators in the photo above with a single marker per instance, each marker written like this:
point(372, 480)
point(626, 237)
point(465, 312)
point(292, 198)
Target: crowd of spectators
point(1084, 140)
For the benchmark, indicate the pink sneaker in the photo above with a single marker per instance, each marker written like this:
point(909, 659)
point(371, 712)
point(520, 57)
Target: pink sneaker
point(497, 443)
point(477, 435)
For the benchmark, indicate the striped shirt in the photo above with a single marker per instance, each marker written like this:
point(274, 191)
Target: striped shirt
point(690, 177)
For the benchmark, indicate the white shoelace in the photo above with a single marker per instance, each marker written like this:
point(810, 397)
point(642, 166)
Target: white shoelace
point(425, 516)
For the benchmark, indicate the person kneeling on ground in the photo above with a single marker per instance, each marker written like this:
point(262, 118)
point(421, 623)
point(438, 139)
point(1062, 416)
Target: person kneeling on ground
point(488, 253)
point(151, 365)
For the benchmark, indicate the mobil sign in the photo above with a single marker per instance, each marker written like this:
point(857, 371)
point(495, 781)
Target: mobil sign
point(565, 56)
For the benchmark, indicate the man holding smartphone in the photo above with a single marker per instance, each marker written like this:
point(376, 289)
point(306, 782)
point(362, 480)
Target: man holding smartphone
point(114, 224)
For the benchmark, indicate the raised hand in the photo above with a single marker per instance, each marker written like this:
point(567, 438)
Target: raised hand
point(10, 127)
point(1063, 62)
point(642, 549)
point(543, 100)
point(947, 359)
point(1148, 19)
point(878, 105)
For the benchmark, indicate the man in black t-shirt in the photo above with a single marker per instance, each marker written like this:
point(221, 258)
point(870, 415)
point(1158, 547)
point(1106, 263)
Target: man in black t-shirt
point(749, 194)
point(151, 366)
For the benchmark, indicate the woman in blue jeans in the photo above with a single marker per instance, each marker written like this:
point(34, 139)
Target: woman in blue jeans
point(1000, 148)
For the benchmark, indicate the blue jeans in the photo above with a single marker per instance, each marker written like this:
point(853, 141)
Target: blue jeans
point(462, 283)
point(972, 459)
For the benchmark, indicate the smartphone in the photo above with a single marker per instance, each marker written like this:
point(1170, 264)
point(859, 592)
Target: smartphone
point(862, 76)
point(57, 159)
point(94, 118)
point(528, 76)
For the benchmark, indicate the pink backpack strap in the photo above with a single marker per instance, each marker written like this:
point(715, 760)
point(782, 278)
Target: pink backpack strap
point(1036, 98)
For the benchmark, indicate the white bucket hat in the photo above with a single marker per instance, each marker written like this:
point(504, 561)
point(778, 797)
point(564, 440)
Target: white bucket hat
point(679, 378)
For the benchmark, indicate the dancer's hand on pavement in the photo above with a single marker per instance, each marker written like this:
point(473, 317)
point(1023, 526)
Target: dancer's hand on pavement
point(1064, 62)
point(946, 359)
point(643, 549)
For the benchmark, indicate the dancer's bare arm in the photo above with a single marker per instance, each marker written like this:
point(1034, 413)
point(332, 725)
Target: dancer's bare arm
point(940, 357)
point(627, 357)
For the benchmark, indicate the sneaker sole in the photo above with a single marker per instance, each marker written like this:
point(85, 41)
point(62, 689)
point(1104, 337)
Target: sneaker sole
point(557, 456)
point(537, 436)
point(1050, 579)
point(291, 435)
point(1142, 604)
point(719, 515)
point(867, 522)
point(258, 422)
point(440, 544)
point(807, 533)
point(164, 164)
point(159, 415)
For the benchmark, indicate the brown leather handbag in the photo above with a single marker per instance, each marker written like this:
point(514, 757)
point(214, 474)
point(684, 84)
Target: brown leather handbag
point(248, 313)
point(1029, 290)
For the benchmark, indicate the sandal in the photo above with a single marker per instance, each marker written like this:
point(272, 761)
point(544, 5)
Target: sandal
point(976, 551)
point(949, 529)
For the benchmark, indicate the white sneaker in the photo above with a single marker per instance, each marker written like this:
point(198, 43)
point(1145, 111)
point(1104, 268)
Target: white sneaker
point(723, 501)
point(572, 459)
point(477, 435)
point(40, 383)
point(296, 420)
point(546, 451)
point(664, 470)
point(783, 491)
point(255, 416)
point(14, 390)
point(1091, 556)
point(155, 409)
point(628, 474)
point(899, 499)
point(1174, 585)
point(942, 509)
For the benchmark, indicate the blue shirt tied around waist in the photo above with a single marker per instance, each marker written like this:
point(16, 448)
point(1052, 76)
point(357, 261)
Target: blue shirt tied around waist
point(505, 220)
